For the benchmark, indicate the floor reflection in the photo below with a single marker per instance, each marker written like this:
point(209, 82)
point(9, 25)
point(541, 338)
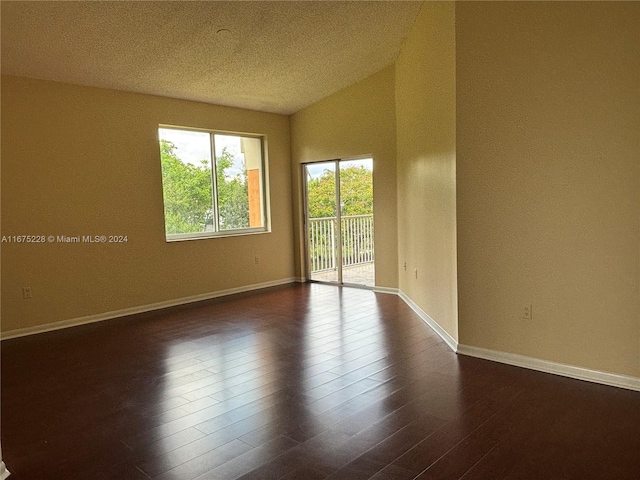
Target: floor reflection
point(298, 381)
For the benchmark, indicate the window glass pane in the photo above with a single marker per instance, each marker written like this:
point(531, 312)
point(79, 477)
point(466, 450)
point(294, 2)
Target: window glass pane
point(323, 221)
point(356, 209)
point(252, 149)
point(321, 185)
point(238, 177)
point(356, 187)
point(186, 181)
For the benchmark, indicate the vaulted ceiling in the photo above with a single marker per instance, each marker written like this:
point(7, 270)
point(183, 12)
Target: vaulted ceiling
point(269, 56)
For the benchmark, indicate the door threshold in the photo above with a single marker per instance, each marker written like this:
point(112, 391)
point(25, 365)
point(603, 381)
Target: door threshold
point(336, 284)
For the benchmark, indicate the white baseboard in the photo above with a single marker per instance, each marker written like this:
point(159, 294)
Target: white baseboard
point(605, 378)
point(579, 373)
point(442, 333)
point(4, 473)
point(21, 332)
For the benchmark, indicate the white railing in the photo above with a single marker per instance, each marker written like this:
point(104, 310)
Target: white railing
point(357, 241)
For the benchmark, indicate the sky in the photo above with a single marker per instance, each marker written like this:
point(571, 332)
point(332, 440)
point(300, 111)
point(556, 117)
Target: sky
point(193, 146)
point(315, 170)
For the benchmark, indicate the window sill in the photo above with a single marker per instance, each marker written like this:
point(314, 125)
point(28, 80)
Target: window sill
point(207, 235)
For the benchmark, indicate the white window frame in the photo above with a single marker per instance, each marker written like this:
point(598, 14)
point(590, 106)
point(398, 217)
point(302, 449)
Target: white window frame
point(264, 190)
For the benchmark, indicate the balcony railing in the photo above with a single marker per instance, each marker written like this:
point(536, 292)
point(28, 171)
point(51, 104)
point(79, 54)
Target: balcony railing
point(357, 241)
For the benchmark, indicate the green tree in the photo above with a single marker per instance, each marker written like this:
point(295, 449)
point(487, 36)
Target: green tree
point(356, 192)
point(188, 193)
point(321, 195)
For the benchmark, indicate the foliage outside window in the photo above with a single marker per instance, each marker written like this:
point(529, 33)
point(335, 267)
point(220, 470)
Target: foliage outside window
point(356, 210)
point(213, 183)
point(356, 192)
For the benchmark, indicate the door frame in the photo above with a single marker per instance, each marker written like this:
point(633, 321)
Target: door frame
point(305, 220)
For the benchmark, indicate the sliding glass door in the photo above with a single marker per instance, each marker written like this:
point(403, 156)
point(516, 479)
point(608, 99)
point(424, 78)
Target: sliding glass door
point(339, 221)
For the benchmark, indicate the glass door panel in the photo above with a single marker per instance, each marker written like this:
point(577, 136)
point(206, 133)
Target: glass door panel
point(322, 224)
point(356, 219)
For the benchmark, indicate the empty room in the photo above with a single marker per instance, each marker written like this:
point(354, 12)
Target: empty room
point(342, 240)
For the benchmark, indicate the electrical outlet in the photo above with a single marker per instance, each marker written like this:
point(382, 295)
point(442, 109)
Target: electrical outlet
point(256, 260)
point(527, 312)
point(415, 271)
point(26, 293)
point(405, 266)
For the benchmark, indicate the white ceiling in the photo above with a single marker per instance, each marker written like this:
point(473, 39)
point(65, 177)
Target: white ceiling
point(269, 56)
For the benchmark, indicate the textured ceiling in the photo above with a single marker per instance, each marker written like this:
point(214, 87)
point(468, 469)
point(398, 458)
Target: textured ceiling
point(270, 56)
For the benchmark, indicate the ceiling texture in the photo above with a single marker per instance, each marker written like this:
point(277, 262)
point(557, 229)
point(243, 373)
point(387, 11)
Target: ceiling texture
point(269, 56)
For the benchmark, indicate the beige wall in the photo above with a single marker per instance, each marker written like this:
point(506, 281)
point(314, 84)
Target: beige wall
point(85, 161)
point(548, 180)
point(358, 120)
point(426, 125)
point(522, 125)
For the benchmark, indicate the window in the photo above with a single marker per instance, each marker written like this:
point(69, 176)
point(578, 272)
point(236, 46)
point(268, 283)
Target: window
point(212, 183)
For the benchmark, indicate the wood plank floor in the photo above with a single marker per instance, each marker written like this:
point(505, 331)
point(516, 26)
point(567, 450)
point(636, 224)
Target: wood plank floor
point(304, 381)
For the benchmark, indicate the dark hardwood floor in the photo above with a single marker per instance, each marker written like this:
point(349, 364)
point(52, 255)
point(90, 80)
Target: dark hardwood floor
point(297, 382)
